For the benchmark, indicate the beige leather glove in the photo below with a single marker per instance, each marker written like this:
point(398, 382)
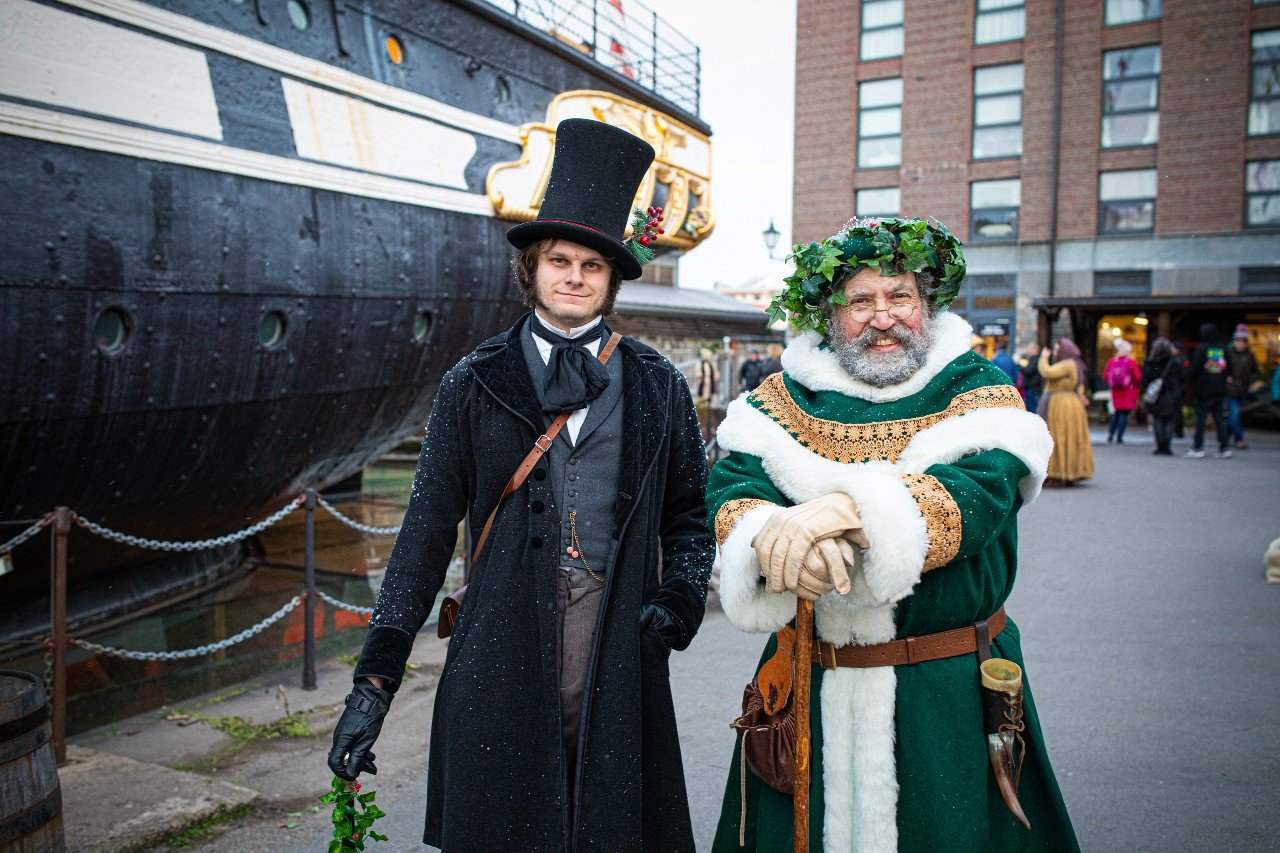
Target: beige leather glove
point(785, 540)
point(826, 567)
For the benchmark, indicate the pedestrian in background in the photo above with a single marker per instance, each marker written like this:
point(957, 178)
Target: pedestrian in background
point(1163, 401)
point(1122, 374)
point(1208, 379)
point(1243, 370)
point(1063, 371)
point(1005, 362)
point(1032, 381)
point(751, 374)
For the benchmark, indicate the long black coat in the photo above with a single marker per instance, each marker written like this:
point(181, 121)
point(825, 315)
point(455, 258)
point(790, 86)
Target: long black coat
point(1169, 403)
point(496, 779)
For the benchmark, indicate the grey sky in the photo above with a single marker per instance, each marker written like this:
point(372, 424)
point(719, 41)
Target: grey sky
point(748, 96)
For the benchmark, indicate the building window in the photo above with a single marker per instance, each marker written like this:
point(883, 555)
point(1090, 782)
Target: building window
point(1127, 201)
point(880, 123)
point(1131, 97)
point(1122, 283)
point(1131, 11)
point(881, 29)
point(999, 20)
point(1262, 194)
point(1260, 281)
point(1264, 84)
point(993, 209)
point(885, 201)
point(997, 111)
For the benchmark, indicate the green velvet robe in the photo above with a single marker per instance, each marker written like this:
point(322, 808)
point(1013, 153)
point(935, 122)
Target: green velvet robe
point(938, 467)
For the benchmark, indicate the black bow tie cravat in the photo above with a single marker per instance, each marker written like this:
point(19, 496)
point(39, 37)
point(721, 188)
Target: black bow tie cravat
point(575, 377)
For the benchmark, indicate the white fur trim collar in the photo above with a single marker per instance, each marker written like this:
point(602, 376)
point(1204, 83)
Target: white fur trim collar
point(819, 370)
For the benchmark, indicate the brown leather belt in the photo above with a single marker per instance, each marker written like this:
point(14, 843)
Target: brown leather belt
point(911, 650)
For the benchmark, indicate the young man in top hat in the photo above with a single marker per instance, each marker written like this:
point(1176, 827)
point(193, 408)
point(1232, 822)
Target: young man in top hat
point(553, 727)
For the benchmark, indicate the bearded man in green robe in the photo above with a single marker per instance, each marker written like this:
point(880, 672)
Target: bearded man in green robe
point(880, 475)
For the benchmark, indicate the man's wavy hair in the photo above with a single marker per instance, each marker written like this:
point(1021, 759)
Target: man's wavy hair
point(525, 265)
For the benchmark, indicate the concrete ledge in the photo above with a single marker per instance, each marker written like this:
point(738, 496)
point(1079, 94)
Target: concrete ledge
point(112, 804)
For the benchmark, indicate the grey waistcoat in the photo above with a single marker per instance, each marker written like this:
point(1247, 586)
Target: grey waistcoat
point(584, 475)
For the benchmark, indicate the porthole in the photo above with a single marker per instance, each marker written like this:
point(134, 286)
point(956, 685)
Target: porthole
point(503, 89)
point(395, 50)
point(111, 331)
point(298, 14)
point(271, 328)
point(421, 325)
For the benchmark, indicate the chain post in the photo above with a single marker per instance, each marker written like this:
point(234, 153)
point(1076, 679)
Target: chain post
point(309, 603)
point(58, 628)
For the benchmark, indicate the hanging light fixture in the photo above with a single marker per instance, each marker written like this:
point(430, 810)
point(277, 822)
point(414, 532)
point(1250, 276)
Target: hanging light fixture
point(771, 235)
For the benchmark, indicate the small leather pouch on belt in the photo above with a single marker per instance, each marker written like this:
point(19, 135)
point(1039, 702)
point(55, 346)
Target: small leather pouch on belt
point(767, 726)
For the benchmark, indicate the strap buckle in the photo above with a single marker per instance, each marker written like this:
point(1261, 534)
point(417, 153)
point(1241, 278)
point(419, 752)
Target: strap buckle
point(827, 655)
point(538, 443)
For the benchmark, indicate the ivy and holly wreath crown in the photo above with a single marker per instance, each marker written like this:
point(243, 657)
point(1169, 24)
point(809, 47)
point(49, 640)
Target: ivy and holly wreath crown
point(889, 244)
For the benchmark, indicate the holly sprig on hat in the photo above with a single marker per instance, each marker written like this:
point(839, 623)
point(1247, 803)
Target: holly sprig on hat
point(889, 245)
point(645, 228)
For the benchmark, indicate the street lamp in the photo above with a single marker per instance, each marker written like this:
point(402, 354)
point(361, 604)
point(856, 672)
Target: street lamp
point(771, 236)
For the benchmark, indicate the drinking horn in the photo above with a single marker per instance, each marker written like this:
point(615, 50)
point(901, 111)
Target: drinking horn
point(1004, 726)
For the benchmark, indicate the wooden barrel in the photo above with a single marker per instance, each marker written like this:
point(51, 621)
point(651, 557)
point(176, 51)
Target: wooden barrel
point(30, 796)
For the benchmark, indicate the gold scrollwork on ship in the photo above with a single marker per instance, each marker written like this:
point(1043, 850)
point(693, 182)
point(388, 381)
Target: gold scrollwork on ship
point(679, 181)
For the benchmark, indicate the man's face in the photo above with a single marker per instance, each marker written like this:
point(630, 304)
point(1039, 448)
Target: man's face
point(572, 284)
point(874, 345)
point(1240, 344)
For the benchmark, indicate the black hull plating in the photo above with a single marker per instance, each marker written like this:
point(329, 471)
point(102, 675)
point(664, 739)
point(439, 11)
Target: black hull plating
point(194, 429)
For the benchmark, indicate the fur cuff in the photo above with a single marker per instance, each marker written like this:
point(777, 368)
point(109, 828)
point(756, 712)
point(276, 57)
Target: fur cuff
point(1023, 434)
point(742, 593)
point(894, 526)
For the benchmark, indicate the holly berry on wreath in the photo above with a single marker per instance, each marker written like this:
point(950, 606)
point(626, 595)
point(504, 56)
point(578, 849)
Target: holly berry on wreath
point(646, 225)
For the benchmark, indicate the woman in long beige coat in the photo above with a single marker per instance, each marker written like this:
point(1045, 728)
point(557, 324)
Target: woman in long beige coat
point(1063, 373)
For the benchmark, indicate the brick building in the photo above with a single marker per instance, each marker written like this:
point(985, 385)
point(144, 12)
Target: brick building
point(1112, 165)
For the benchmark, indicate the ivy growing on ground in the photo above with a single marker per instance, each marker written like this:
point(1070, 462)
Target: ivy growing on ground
point(353, 816)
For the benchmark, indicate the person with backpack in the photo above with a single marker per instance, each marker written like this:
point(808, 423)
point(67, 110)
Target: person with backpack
point(1162, 393)
point(1208, 377)
point(1122, 374)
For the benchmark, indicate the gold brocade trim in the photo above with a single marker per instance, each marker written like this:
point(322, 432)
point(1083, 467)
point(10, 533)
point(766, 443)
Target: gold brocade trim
point(941, 517)
point(730, 512)
point(883, 440)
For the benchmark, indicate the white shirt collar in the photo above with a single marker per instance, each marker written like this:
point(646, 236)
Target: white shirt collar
point(574, 332)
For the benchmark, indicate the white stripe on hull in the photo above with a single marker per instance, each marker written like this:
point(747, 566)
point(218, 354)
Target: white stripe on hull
point(98, 135)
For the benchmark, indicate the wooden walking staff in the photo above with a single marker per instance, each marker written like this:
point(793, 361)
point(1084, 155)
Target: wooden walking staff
point(802, 678)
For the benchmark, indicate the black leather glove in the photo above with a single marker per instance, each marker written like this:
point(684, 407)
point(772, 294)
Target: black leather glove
point(656, 618)
point(359, 727)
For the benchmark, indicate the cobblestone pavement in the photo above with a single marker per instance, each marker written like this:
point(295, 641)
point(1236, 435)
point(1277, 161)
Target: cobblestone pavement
point(1153, 648)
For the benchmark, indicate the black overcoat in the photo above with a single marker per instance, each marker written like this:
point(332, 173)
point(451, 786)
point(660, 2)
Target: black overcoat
point(496, 779)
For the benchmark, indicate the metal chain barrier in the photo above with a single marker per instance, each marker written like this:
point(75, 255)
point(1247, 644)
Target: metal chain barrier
point(351, 522)
point(27, 534)
point(342, 605)
point(198, 651)
point(199, 545)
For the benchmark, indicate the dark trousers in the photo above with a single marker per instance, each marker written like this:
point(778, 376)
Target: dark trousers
point(579, 604)
point(1205, 408)
point(1119, 423)
point(1164, 433)
point(1033, 401)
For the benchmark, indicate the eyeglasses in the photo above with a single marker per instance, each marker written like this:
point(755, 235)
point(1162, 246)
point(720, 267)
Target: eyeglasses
point(900, 306)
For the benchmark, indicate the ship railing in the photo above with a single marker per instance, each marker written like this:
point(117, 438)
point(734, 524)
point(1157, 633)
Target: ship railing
point(629, 39)
point(55, 646)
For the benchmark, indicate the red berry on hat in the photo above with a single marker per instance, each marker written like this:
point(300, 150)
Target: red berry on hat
point(644, 239)
point(662, 231)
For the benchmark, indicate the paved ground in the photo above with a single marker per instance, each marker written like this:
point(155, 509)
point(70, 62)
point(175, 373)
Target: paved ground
point(1153, 647)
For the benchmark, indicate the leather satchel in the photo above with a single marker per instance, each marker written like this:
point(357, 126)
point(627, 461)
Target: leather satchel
point(767, 727)
point(452, 603)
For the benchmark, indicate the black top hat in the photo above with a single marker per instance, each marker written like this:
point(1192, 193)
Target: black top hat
point(595, 172)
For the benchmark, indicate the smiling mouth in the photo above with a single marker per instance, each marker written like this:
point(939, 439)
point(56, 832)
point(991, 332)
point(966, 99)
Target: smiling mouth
point(884, 344)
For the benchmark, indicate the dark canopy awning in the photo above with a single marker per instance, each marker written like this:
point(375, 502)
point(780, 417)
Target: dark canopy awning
point(1158, 303)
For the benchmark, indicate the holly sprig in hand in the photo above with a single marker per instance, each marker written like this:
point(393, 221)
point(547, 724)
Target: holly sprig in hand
point(353, 816)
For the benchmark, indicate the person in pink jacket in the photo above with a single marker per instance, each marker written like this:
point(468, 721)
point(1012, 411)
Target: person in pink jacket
point(1122, 374)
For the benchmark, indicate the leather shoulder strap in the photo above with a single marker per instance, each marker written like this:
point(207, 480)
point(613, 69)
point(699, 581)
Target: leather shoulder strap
point(540, 447)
